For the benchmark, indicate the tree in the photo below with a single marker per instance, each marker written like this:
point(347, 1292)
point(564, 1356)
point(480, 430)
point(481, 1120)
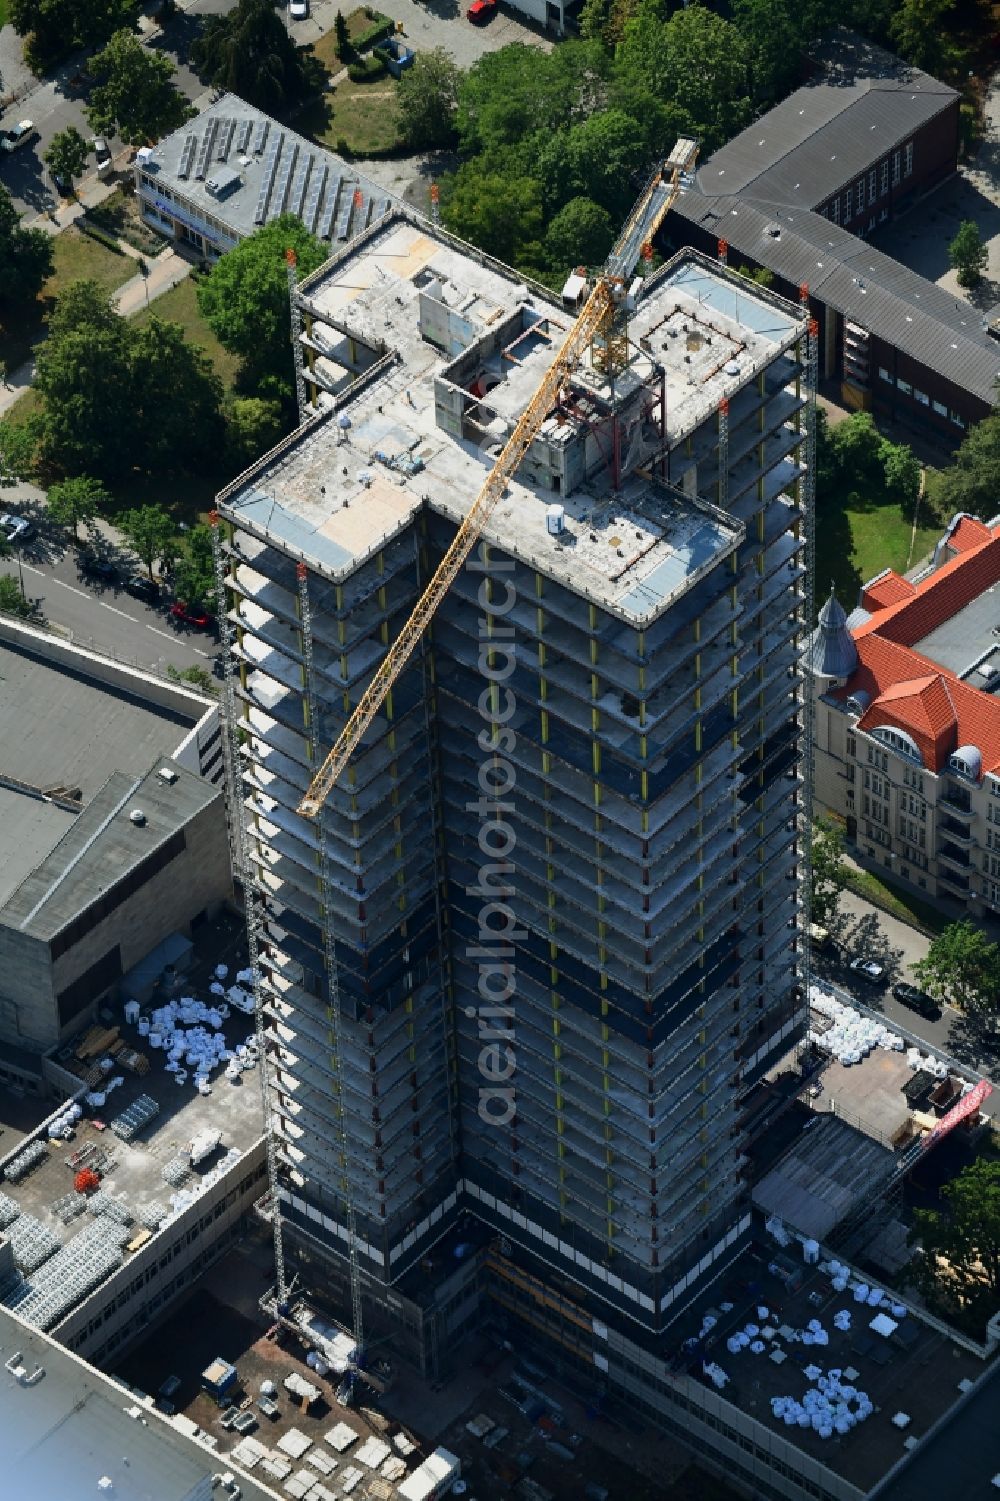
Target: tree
point(963, 968)
point(252, 427)
point(12, 600)
point(83, 375)
point(25, 256)
point(67, 154)
point(502, 215)
point(828, 873)
point(75, 500)
point(972, 483)
point(903, 474)
point(761, 276)
point(244, 298)
point(697, 64)
point(608, 154)
point(968, 255)
point(921, 32)
point(55, 28)
point(150, 533)
point(580, 234)
point(958, 1266)
point(176, 399)
point(427, 99)
point(249, 52)
point(133, 96)
point(194, 572)
point(344, 49)
point(517, 92)
point(18, 443)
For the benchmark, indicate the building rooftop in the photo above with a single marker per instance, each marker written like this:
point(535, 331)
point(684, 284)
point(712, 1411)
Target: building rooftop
point(63, 729)
point(917, 1370)
point(32, 826)
point(100, 845)
point(243, 169)
point(69, 1431)
point(340, 489)
point(862, 102)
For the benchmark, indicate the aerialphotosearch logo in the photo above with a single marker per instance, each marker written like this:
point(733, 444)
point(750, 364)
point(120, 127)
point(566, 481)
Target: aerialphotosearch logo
point(498, 931)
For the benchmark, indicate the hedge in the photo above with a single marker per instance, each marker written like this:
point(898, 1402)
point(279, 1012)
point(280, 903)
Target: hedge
point(382, 27)
point(366, 69)
point(99, 235)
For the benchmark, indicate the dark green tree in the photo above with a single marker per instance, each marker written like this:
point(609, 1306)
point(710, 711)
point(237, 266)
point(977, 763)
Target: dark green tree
point(176, 399)
point(55, 28)
point(922, 31)
point(74, 500)
point(903, 474)
point(253, 426)
point(83, 375)
point(608, 154)
point(502, 215)
point(343, 38)
point(134, 96)
point(194, 571)
point(427, 99)
point(25, 256)
point(67, 154)
point(963, 967)
point(968, 255)
point(972, 482)
point(828, 873)
point(244, 298)
point(697, 65)
point(581, 234)
point(249, 52)
point(151, 534)
point(957, 1268)
point(18, 444)
point(517, 92)
point(12, 601)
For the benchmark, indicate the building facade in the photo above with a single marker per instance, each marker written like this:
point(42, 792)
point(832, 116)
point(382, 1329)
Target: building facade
point(907, 729)
point(624, 650)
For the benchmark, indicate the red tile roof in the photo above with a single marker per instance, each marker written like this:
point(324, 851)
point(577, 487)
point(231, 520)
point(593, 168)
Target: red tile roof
point(906, 690)
point(890, 588)
point(969, 532)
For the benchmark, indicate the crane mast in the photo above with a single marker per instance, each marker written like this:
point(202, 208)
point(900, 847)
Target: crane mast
point(599, 324)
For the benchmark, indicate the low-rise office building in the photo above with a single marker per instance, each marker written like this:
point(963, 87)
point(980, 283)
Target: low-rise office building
point(907, 729)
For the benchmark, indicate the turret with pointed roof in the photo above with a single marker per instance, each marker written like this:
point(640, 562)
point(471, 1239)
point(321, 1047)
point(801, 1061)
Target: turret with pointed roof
point(832, 653)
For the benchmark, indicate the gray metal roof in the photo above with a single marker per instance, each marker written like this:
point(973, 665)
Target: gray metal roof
point(865, 285)
point(832, 652)
point(861, 105)
point(241, 168)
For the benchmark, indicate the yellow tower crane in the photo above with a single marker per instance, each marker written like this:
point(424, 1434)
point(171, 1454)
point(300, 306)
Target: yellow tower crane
point(599, 324)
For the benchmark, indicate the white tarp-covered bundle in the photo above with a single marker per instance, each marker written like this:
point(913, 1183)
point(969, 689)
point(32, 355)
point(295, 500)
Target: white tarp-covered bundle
point(851, 1036)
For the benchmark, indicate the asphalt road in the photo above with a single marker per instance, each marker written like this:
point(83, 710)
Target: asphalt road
point(103, 617)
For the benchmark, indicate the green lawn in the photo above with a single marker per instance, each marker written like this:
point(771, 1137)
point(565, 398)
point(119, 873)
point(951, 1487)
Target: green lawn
point(359, 118)
point(857, 539)
point(358, 22)
point(897, 901)
point(3, 12)
point(75, 256)
point(179, 305)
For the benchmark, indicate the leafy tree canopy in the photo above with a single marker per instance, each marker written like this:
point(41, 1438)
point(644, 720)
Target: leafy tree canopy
point(580, 234)
point(18, 443)
point(968, 255)
point(249, 52)
point(245, 296)
point(963, 967)
point(518, 91)
point(828, 873)
point(12, 601)
point(972, 482)
point(25, 256)
point(134, 96)
point(58, 27)
point(958, 1269)
point(194, 572)
point(253, 426)
point(67, 153)
point(427, 99)
point(921, 32)
point(74, 500)
point(150, 533)
point(500, 214)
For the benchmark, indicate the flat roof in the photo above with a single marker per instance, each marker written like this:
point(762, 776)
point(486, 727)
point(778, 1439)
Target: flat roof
point(825, 1174)
point(919, 1377)
point(135, 1176)
point(966, 637)
point(32, 827)
point(102, 843)
point(72, 1432)
point(335, 494)
point(63, 729)
point(239, 166)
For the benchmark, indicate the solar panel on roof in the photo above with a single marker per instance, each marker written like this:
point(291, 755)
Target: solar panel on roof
point(299, 188)
point(267, 178)
point(227, 129)
point(316, 186)
point(281, 187)
point(260, 136)
point(344, 213)
point(329, 207)
point(243, 139)
point(379, 208)
point(187, 156)
point(205, 150)
point(360, 213)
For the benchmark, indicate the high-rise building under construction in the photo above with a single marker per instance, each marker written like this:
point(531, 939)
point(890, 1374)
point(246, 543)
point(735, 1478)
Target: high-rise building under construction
point(522, 969)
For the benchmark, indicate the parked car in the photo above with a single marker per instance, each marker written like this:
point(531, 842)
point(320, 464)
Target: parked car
point(917, 1000)
point(18, 135)
point(96, 566)
point(298, 9)
point(105, 165)
point(195, 615)
point(143, 588)
point(63, 185)
point(481, 10)
point(16, 529)
point(868, 970)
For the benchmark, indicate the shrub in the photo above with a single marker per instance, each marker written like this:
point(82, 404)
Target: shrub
point(108, 241)
point(367, 69)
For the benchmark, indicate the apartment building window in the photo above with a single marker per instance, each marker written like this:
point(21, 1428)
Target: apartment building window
point(871, 186)
point(956, 418)
point(991, 893)
point(852, 747)
point(885, 176)
point(835, 210)
point(848, 197)
point(908, 159)
point(895, 167)
point(922, 397)
point(861, 194)
point(904, 386)
point(884, 374)
point(914, 779)
point(940, 408)
point(991, 865)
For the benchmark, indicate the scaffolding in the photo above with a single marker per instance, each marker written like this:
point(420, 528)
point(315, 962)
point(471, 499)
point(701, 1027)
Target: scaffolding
point(808, 498)
point(240, 838)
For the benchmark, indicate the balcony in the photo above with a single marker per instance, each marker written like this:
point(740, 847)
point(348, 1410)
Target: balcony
point(957, 883)
point(957, 859)
point(956, 800)
point(955, 832)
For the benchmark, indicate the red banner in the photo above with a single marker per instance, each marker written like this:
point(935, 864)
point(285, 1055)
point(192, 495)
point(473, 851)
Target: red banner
point(968, 1105)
